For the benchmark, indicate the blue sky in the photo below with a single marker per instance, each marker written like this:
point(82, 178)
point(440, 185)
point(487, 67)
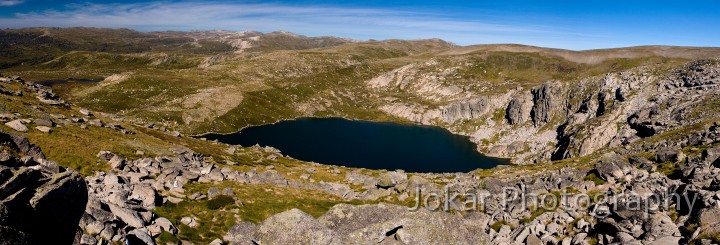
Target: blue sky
point(560, 24)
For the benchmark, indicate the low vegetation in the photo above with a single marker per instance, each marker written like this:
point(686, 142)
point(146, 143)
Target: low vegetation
point(594, 178)
point(216, 216)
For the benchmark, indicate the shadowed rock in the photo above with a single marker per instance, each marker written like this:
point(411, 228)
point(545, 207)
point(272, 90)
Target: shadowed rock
point(293, 227)
point(40, 203)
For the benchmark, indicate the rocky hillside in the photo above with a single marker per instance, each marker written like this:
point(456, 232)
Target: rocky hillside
point(525, 103)
point(558, 119)
point(168, 193)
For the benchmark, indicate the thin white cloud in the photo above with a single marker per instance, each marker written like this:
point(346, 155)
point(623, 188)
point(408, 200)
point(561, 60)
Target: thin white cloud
point(361, 23)
point(10, 2)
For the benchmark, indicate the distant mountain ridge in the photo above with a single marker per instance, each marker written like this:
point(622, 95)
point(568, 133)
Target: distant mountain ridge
point(595, 56)
point(41, 44)
point(36, 45)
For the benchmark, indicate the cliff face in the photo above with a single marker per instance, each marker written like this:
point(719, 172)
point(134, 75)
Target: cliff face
point(560, 119)
point(634, 105)
point(473, 108)
point(519, 108)
point(546, 98)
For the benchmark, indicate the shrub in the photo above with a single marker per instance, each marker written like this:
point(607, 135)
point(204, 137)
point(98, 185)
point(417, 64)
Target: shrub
point(594, 178)
point(166, 237)
point(497, 225)
point(219, 202)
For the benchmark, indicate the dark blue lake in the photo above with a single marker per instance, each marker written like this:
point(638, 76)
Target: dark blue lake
point(366, 144)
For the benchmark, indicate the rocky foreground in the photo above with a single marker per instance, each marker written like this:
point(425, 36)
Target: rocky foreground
point(39, 197)
point(662, 190)
point(42, 202)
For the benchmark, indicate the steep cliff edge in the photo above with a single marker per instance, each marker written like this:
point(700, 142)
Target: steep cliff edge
point(557, 119)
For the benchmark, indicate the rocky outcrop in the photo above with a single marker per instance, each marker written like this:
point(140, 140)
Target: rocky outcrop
point(699, 74)
point(293, 227)
point(40, 202)
point(546, 98)
point(612, 167)
point(364, 224)
point(391, 179)
point(411, 112)
point(17, 125)
point(608, 110)
point(467, 109)
point(519, 109)
point(431, 85)
point(10, 80)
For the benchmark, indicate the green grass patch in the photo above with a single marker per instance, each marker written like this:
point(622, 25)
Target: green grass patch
point(714, 237)
point(497, 225)
point(668, 168)
point(534, 213)
point(594, 178)
point(166, 237)
point(219, 202)
point(498, 114)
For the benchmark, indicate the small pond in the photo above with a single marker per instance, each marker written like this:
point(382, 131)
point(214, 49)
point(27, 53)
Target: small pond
point(50, 83)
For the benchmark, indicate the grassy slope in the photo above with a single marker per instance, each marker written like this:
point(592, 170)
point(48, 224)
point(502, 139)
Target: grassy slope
point(281, 84)
point(151, 91)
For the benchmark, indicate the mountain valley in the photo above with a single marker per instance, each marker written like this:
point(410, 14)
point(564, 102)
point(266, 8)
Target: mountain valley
point(131, 115)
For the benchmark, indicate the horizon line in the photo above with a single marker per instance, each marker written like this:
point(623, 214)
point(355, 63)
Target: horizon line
point(363, 40)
